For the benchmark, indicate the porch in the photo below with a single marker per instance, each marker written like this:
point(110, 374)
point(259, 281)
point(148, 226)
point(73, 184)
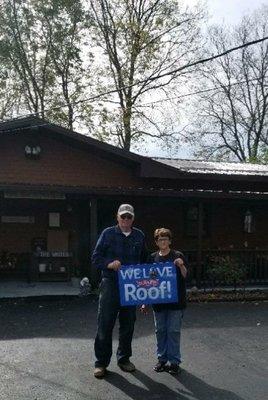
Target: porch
point(202, 229)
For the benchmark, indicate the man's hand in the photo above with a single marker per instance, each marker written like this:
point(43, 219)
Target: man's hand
point(180, 264)
point(115, 265)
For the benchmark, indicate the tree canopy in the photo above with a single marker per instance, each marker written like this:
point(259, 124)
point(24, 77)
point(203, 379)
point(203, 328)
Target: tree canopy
point(112, 69)
point(231, 120)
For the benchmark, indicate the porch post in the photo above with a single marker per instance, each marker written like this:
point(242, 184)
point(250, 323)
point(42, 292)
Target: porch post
point(93, 236)
point(199, 244)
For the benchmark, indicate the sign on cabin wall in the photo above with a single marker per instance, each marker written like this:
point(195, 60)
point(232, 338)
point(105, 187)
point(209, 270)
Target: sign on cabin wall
point(148, 284)
point(34, 195)
point(54, 220)
point(16, 219)
point(57, 240)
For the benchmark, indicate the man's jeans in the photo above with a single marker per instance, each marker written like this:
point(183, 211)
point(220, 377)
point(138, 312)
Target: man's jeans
point(109, 308)
point(168, 333)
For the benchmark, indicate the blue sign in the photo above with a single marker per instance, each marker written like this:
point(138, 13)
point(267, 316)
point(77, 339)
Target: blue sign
point(148, 284)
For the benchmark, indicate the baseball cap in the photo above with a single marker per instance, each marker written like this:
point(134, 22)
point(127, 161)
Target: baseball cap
point(125, 209)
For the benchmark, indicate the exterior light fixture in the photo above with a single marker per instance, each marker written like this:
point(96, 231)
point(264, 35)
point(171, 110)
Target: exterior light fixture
point(32, 151)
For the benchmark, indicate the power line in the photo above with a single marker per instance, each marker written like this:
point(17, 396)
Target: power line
point(149, 104)
point(151, 79)
point(196, 92)
point(204, 60)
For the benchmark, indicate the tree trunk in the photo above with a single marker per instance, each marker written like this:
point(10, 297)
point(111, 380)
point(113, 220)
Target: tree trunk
point(127, 127)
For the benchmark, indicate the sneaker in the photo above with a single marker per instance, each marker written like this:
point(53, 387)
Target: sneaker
point(99, 372)
point(127, 366)
point(174, 369)
point(160, 366)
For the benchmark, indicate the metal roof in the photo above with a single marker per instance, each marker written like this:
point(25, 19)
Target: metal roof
point(213, 167)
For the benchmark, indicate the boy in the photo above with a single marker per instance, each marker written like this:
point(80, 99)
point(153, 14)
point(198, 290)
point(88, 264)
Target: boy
point(168, 316)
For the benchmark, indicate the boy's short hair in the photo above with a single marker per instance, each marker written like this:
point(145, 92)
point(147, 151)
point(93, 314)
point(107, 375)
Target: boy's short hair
point(162, 232)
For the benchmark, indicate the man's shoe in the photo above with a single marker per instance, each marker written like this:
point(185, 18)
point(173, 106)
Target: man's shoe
point(127, 366)
point(99, 372)
point(174, 369)
point(160, 366)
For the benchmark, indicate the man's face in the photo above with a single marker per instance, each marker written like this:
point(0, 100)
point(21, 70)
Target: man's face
point(163, 243)
point(125, 221)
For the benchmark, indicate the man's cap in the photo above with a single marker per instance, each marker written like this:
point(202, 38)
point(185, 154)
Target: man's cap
point(125, 209)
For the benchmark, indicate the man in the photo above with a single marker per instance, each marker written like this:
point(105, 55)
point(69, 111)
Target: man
point(118, 245)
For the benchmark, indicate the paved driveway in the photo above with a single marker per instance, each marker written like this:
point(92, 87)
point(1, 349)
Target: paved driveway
point(46, 353)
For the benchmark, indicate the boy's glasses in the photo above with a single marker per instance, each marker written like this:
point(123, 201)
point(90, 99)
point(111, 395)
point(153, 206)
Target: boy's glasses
point(126, 216)
point(162, 239)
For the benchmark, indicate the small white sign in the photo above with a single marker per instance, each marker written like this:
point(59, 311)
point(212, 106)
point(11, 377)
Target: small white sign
point(26, 194)
point(16, 219)
point(54, 220)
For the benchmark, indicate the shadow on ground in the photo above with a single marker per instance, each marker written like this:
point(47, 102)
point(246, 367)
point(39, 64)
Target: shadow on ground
point(76, 318)
point(193, 387)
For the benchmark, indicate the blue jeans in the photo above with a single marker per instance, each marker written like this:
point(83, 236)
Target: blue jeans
point(168, 334)
point(109, 309)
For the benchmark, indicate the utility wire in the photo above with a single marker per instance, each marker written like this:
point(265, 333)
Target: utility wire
point(151, 79)
point(204, 60)
point(217, 89)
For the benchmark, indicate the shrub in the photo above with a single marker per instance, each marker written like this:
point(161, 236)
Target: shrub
point(226, 270)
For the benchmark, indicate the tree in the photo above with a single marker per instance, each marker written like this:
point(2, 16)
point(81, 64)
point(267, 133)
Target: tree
point(62, 24)
point(40, 47)
point(138, 41)
point(24, 49)
point(9, 95)
point(232, 119)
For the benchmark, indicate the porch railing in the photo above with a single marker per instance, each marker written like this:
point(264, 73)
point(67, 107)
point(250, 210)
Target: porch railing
point(255, 261)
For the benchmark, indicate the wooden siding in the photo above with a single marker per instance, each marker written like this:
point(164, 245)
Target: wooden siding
point(60, 164)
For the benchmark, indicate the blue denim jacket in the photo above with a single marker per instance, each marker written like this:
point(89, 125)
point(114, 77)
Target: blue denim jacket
point(114, 245)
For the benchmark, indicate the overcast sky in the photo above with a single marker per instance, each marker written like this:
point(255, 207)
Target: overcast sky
point(231, 11)
point(220, 11)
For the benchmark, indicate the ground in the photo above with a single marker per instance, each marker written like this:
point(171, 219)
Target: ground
point(47, 353)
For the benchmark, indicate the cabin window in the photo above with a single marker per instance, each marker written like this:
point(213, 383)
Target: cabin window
point(192, 221)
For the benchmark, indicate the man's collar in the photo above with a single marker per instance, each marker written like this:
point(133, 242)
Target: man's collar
point(118, 230)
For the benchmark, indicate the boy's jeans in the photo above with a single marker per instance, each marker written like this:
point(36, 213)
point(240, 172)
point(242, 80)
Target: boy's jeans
point(168, 334)
point(109, 309)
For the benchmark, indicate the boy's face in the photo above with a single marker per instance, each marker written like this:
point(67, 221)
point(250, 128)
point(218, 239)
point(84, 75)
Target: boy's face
point(163, 243)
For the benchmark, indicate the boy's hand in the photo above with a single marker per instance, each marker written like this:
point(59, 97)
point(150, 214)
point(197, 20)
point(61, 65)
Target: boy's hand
point(144, 309)
point(179, 262)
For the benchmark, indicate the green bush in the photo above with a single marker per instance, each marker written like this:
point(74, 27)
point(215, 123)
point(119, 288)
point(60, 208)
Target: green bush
point(226, 270)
